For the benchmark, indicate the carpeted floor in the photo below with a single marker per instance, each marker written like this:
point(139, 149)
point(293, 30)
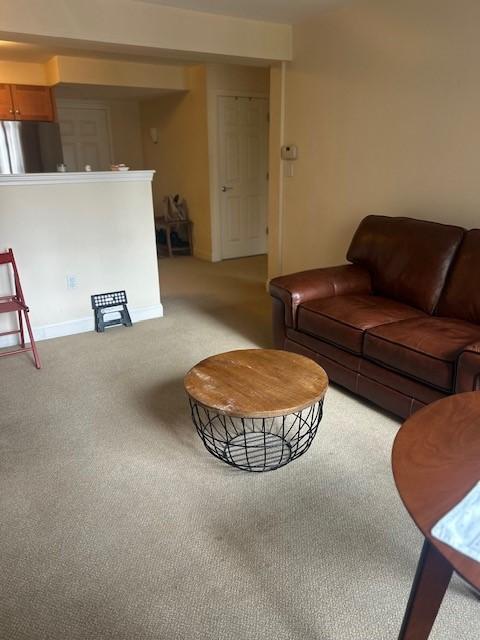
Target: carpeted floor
point(116, 524)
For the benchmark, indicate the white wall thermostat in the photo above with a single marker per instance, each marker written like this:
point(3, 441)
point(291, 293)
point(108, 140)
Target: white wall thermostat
point(289, 152)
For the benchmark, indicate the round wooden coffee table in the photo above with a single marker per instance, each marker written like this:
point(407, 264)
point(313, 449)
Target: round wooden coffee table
point(436, 462)
point(257, 409)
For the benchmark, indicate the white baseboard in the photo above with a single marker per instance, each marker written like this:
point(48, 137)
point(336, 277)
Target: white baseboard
point(216, 256)
point(80, 325)
point(147, 313)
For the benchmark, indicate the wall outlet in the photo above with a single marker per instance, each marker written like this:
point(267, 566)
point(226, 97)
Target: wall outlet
point(72, 281)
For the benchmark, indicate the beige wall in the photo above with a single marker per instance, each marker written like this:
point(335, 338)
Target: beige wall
point(181, 156)
point(101, 232)
point(121, 73)
point(90, 71)
point(232, 77)
point(276, 182)
point(113, 23)
point(22, 73)
point(126, 132)
point(383, 100)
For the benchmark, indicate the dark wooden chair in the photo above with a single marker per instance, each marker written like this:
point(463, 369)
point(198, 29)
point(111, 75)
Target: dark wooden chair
point(168, 226)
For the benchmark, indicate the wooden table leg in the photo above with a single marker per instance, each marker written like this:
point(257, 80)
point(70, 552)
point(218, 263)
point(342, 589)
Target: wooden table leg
point(168, 229)
point(429, 586)
point(190, 239)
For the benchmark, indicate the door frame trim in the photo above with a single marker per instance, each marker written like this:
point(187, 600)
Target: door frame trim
point(97, 105)
point(213, 111)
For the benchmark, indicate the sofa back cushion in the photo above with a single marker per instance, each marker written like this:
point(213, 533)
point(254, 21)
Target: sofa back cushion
point(408, 259)
point(461, 295)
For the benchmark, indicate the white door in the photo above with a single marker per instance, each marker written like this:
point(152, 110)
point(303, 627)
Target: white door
point(85, 138)
point(243, 143)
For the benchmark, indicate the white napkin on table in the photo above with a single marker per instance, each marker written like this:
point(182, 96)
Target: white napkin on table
point(460, 527)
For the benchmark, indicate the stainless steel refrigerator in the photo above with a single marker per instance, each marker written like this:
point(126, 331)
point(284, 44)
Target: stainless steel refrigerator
point(29, 147)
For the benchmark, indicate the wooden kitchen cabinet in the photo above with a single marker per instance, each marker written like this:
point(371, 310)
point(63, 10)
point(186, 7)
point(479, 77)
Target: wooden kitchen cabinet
point(32, 102)
point(26, 102)
point(6, 103)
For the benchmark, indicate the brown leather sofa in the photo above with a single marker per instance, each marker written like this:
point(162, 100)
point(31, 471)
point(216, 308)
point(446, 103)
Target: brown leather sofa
point(400, 325)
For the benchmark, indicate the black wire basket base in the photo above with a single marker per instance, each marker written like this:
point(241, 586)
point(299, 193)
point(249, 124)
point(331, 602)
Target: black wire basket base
point(257, 451)
point(257, 444)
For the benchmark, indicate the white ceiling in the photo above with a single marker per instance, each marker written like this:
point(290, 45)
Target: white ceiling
point(286, 11)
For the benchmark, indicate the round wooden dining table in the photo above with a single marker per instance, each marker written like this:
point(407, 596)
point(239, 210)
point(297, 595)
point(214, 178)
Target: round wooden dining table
point(436, 462)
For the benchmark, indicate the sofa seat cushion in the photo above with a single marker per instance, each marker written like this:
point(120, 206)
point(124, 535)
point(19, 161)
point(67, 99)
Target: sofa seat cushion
point(343, 320)
point(425, 349)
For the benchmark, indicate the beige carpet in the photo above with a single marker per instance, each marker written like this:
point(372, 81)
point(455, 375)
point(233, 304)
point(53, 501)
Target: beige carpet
point(116, 524)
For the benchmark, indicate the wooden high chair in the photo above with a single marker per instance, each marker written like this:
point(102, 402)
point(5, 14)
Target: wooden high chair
point(15, 303)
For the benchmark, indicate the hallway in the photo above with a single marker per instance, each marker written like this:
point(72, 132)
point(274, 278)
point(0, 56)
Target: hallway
point(231, 293)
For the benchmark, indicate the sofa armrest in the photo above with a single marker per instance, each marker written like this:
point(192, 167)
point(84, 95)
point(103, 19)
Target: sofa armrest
point(297, 288)
point(468, 369)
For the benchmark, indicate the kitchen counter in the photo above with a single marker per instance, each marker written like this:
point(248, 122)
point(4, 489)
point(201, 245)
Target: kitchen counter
point(75, 177)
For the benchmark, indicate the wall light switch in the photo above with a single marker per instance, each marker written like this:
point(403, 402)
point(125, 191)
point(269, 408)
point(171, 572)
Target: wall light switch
point(289, 169)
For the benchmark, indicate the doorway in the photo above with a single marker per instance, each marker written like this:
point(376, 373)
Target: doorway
point(86, 140)
point(242, 175)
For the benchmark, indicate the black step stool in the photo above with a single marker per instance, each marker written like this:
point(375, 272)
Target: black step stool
point(102, 304)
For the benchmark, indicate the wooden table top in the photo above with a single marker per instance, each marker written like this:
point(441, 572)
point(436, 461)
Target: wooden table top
point(436, 462)
point(256, 383)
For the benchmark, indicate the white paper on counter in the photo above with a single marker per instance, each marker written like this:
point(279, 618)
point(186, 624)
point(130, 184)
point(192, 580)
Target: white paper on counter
point(460, 527)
